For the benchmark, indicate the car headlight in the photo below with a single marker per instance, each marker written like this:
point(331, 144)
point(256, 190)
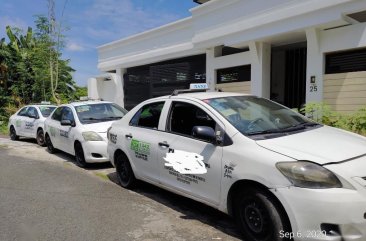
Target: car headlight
point(308, 175)
point(91, 136)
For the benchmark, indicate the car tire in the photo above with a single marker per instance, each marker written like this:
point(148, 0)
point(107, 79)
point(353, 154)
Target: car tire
point(79, 155)
point(124, 170)
point(260, 217)
point(51, 149)
point(13, 134)
point(40, 138)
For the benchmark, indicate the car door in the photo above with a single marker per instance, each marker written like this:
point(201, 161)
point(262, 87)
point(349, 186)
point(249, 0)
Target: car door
point(53, 125)
point(31, 121)
point(19, 121)
point(178, 137)
point(141, 140)
point(67, 133)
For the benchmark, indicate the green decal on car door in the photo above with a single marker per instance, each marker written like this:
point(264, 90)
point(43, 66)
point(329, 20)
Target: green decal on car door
point(141, 149)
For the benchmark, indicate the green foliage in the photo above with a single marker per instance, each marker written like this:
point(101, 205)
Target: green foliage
point(25, 68)
point(322, 113)
point(4, 128)
point(319, 112)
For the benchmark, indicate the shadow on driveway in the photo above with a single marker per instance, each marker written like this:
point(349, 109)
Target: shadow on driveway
point(189, 208)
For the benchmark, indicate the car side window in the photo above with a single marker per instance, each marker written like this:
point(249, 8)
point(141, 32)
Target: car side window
point(23, 112)
point(57, 114)
point(32, 112)
point(148, 116)
point(184, 116)
point(67, 114)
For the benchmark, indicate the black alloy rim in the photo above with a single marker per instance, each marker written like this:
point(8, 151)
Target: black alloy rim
point(40, 137)
point(255, 218)
point(123, 171)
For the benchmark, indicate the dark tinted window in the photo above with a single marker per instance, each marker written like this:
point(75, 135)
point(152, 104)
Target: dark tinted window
point(23, 112)
point(346, 61)
point(234, 74)
point(46, 110)
point(148, 116)
point(32, 112)
point(184, 116)
point(57, 114)
point(67, 114)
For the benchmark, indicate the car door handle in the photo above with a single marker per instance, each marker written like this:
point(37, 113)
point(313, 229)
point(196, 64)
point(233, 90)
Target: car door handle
point(129, 136)
point(164, 144)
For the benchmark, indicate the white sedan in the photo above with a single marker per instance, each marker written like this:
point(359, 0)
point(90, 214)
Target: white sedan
point(29, 122)
point(280, 175)
point(80, 129)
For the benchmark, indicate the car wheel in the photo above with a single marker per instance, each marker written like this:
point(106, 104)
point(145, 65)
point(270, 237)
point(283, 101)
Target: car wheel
point(50, 147)
point(79, 155)
point(259, 216)
point(13, 134)
point(124, 171)
point(40, 137)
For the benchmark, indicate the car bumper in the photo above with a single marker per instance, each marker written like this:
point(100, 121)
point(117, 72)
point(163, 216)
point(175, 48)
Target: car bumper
point(95, 151)
point(311, 211)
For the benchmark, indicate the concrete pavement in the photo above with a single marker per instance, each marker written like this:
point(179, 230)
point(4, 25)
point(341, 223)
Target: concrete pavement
point(46, 197)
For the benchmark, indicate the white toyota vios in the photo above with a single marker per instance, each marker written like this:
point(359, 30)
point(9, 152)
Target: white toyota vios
point(80, 129)
point(29, 122)
point(280, 175)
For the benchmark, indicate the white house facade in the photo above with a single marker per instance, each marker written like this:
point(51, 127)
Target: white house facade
point(291, 51)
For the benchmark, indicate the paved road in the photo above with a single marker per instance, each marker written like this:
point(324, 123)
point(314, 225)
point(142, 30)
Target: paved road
point(45, 197)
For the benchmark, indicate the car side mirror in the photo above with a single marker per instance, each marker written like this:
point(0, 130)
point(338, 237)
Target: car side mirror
point(67, 123)
point(204, 133)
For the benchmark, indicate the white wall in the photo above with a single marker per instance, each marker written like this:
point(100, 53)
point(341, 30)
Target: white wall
point(239, 23)
point(109, 90)
point(321, 42)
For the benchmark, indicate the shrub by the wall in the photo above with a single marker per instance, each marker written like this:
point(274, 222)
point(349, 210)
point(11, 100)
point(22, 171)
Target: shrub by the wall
point(322, 113)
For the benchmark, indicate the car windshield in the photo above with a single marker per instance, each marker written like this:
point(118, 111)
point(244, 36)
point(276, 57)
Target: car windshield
point(93, 113)
point(255, 116)
point(46, 110)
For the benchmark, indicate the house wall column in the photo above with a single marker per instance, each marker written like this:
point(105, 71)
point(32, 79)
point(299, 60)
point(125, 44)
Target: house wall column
point(314, 67)
point(261, 68)
point(210, 69)
point(93, 88)
point(119, 81)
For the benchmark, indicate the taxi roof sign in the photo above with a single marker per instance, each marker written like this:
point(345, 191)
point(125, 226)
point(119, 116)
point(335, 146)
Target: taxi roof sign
point(198, 86)
point(192, 88)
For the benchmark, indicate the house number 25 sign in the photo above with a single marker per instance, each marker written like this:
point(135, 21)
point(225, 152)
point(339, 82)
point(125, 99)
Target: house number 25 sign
point(313, 86)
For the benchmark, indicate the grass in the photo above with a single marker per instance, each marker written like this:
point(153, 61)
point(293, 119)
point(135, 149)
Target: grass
point(4, 129)
point(102, 175)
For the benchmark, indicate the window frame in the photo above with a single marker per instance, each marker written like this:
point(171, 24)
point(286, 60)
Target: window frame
point(64, 109)
point(54, 113)
point(168, 121)
point(35, 109)
point(135, 123)
point(25, 109)
point(241, 69)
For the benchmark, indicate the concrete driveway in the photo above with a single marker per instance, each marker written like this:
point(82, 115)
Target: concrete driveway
point(46, 197)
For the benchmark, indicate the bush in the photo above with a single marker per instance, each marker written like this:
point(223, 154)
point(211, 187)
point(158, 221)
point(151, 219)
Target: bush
point(322, 113)
point(4, 128)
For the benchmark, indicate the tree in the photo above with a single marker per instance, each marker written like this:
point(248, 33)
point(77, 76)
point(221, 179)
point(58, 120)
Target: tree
point(24, 75)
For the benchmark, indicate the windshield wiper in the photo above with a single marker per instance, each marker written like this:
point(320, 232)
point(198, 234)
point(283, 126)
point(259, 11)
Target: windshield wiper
point(271, 131)
point(112, 117)
point(297, 127)
point(91, 118)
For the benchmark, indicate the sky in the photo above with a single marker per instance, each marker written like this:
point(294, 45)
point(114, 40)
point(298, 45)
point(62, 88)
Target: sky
point(92, 23)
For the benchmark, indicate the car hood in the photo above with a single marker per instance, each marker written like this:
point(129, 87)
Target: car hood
point(100, 127)
point(321, 145)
